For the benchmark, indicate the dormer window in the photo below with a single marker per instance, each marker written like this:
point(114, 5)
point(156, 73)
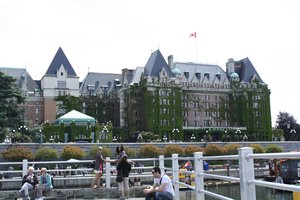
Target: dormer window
point(206, 74)
point(61, 73)
point(186, 74)
point(218, 75)
point(198, 75)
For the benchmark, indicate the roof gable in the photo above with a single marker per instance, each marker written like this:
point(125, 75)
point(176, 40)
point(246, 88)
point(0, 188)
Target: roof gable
point(59, 60)
point(247, 71)
point(23, 78)
point(155, 64)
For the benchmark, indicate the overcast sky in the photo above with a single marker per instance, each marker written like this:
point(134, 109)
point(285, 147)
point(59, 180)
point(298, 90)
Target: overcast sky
point(108, 35)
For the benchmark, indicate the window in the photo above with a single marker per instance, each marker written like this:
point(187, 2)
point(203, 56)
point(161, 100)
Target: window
point(61, 84)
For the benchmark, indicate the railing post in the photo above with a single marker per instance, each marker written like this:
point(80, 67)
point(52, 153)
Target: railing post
point(199, 178)
point(162, 164)
point(25, 167)
point(107, 172)
point(175, 175)
point(246, 170)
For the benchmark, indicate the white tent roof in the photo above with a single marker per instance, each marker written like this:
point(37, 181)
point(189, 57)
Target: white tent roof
point(76, 117)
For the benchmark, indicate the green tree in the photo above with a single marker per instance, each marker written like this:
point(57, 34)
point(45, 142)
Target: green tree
point(10, 98)
point(287, 123)
point(68, 103)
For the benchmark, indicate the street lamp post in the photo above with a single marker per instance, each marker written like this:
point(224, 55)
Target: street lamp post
point(193, 138)
point(292, 132)
point(11, 136)
point(139, 138)
point(41, 136)
point(238, 132)
point(175, 132)
point(226, 136)
point(105, 131)
point(165, 138)
point(22, 129)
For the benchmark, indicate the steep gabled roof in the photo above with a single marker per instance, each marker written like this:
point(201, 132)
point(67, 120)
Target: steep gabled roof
point(22, 77)
point(137, 75)
point(58, 60)
point(155, 64)
point(247, 71)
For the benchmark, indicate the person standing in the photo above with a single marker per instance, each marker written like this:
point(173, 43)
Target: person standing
point(45, 183)
point(162, 188)
point(124, 168)
point(98, 169)
point(120, 152)
point(28, 183)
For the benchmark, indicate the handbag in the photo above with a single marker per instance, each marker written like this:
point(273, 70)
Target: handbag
point(119, 177)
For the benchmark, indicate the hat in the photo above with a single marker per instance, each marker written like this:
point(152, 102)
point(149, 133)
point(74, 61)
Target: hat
point(100, 148)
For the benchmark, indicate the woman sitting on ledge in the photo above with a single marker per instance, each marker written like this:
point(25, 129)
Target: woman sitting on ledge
point(45, 183)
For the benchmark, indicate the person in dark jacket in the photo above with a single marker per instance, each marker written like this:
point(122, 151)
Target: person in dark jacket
point(28, 183)
point(124, 167)
point(98, 169)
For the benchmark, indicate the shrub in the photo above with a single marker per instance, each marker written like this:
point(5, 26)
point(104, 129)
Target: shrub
point(273, 148)
point(257, 148)
point(130, 152)
point(106, 152)
point(214, 150)
point(18, 154)
point(173, 148)
point(231, 149)
point(191, 149)
point(72, 152)
point(46, 153)
point(149, 151)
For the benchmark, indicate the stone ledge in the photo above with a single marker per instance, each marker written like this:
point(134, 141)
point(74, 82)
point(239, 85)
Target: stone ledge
point(85, 193)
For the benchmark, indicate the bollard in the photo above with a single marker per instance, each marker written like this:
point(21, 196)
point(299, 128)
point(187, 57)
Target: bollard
point(1, 176)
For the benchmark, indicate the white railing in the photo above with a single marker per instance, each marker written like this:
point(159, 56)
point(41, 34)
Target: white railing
point(68, 173)
point(246, 169)
point(246, 178)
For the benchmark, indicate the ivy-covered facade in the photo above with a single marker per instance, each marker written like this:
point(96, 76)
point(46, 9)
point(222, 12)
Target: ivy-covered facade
point(181, 101)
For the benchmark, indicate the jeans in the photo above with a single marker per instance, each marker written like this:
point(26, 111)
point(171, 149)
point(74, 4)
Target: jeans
point(163, 196)
point(25, 188)
point(159, 196)
point(150, 196)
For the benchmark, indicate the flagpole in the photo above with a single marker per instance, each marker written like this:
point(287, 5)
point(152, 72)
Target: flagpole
point(196, 50)
point(195, 36)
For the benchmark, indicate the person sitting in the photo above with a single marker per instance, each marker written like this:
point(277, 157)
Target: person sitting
point(45, 183)
point(28, 183)
point(162, 188)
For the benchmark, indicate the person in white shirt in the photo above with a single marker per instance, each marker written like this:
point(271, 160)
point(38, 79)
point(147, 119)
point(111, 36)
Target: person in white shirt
point(162, 188)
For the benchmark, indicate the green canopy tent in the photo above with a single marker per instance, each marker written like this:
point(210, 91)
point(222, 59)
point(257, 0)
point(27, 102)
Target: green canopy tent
point(79, 119)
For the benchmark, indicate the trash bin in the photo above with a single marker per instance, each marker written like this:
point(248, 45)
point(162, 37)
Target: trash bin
point(206, 166)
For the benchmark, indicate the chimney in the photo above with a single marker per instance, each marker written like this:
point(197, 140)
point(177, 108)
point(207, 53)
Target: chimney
point(170, 61)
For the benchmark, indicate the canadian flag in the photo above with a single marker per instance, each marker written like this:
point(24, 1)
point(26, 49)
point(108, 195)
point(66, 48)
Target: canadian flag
point(193, 34)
